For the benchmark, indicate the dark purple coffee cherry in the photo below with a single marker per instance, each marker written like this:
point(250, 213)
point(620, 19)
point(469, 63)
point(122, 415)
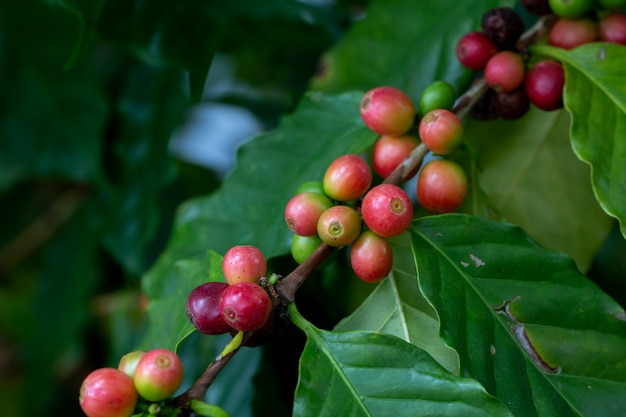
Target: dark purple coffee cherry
point(203, 309)
point(503, 26)
point(537, 7)
point(512, 105)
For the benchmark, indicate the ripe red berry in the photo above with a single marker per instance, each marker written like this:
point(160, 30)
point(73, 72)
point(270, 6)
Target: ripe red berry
point(390, 151)
point(612, 28)
point(570, 33)
point(245, 306)
point(387, 111)
point(158, 375)
point(128, 362)
point(107, 392)
point(303, 210)
point(387, 210)
point(347, 178)
point(243, 263)
point(505, 71)
point(371, 257)
point(441, 186)
point(544, 85)
point(339, 226)
point(441, 131)
point(474, 49)
point(203, 309)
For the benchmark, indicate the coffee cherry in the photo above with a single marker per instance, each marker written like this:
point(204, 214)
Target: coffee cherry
point(245, 306)
point(243, 263)
point(203, 308)
point(310, 187)
point(537, 7)
point(503, 26)
point(570, 33)
point(437, 95)
point(303, 210)
point(513, 105)
point(612, 28)
point(128, 362)
point(303, 246)
point(158, 374)
point(339, 226)
point(441, 186)
point(387, 210)
point(107, 392)
point(371, 257)
point(505, 71)
point(486, 108)
point(347, 178)
point(390, 151)
point(474, 49)
point(544, 85)
point(441, 131)
point(387, 111)
point(570, 8)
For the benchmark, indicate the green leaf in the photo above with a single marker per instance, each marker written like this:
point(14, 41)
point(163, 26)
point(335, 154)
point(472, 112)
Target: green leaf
point(405, 44)
point(249, 206)
point(534, 180)
point(595, 95)
point(397, 307)
point(166, 310)
point(524, 321)
point(373, 374)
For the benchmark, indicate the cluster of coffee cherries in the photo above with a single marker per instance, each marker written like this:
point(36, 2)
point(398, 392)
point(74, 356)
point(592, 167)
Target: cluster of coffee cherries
point(515, 81)
point(345, 210)
point(141, 384)
point(241, 304)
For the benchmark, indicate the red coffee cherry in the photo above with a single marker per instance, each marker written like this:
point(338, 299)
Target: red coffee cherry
point(371, 257)
point(441, 186)
point(441, 131)
point(474, 49)
point(107, 392)
point(158, 374)
point(339, 226)
point(203, 308)
point(390, 151)
point(570, 33)
point(303, 210)
point(612, 28)
point(387, 210)
point(544, 85)
point(245, 306)
point(505, 71)
point(387, 111)
point(243, 263)
point(347, 178)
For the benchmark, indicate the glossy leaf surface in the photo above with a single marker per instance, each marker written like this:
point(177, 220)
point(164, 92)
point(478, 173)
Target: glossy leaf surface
point(373, 374)
point(510, 307)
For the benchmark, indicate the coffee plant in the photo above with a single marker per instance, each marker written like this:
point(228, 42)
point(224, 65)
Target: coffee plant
point(430, 222)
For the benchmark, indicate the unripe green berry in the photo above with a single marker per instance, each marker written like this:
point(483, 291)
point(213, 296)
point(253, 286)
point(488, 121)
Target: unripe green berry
point(437, 95)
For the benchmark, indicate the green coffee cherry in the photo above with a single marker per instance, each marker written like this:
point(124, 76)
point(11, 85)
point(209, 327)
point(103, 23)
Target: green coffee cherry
point(438, 95)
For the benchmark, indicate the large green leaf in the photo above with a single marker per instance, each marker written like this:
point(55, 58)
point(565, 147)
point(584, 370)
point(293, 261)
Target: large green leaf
point(373, 374)
point(537, 334)
point(397, 307)
point(534, 180)
point(595, 95)
point(248, 208)
point(405, 44)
